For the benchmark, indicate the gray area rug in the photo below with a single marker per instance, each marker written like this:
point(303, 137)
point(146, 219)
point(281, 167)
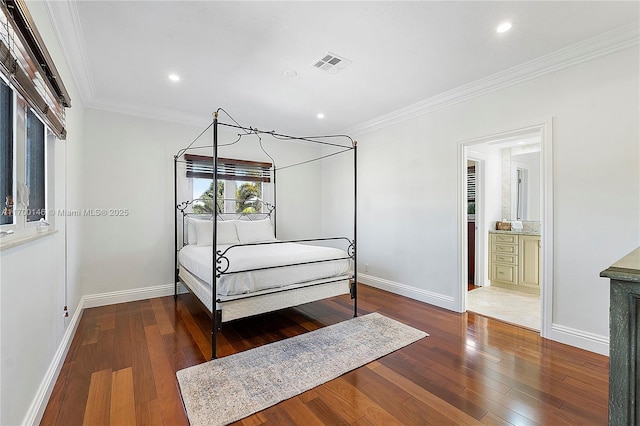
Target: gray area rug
point(227, 389)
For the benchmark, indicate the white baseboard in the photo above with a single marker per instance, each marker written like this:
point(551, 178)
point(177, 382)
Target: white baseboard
point(580, 339)
point(39, 403)
point(123, 296)
point(437, 299)
point(569, 336)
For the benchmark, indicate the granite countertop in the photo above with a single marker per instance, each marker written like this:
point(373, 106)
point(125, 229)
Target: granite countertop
point(625, 269)
point(499, 231)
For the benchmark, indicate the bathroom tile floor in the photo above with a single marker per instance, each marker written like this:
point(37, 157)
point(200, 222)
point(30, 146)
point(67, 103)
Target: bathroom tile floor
point(507, 305)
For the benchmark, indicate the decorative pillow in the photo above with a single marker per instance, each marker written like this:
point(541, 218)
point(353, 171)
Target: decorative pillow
point(192, 237)
point(255, 231)
point(226, 232)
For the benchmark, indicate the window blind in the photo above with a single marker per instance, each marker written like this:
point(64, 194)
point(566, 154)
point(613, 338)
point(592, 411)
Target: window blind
point(471, 183)
point(200, 166)
point(26, 63)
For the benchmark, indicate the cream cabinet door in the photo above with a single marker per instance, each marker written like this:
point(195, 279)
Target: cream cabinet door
point(529, 264)
point(506, 274)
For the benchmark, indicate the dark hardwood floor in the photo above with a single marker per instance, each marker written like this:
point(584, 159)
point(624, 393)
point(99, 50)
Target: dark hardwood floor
point(120, 369)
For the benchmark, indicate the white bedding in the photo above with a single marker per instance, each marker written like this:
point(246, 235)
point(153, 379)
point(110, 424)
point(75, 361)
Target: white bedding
point(198, 260)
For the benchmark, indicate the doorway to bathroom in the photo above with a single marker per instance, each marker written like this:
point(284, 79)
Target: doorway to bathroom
point(475, 229)
point(506, 199)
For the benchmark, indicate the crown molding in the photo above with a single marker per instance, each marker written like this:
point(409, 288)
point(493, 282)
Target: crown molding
point(592, 48)
point(66, 23)
point(160, 114)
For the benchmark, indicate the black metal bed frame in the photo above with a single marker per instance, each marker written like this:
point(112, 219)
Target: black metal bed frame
point(219, 256)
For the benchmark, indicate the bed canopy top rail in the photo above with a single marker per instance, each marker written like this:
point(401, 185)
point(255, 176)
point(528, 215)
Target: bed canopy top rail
point(220, 256)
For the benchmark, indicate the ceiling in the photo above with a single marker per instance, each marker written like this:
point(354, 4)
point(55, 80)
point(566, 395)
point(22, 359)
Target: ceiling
point(234, 54)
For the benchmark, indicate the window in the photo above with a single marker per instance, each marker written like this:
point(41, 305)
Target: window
point(6, 154)
point(27, 65)
point(233, 196)
point(23, 166)
point(35, 168)
point(240, 184)
point(32, 108)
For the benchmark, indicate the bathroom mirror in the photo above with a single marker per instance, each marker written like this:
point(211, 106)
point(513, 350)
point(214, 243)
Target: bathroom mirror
point(521, 182)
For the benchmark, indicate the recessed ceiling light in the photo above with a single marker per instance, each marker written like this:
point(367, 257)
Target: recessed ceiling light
point(174, 77)
point(504, 27)
point(290, 74)
point(320, 115)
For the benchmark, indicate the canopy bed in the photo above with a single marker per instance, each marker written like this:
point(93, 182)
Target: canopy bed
point(232, 261)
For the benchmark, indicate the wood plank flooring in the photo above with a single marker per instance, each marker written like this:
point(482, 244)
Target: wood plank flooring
point(120, 369)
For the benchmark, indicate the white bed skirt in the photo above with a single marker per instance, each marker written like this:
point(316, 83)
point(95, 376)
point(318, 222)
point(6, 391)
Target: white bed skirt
point(240, 306)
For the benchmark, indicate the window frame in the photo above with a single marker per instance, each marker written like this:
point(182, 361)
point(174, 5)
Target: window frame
point(230, 170)
point(22, 228)
point(11, 226)
point(45, 170)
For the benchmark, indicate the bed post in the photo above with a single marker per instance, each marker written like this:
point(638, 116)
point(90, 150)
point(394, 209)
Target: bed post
point(275, 202)
point(354, 290)
point(175, 227)
point(214, 277)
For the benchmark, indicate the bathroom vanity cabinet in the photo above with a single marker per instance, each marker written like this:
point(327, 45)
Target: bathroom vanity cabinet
point(514, 260)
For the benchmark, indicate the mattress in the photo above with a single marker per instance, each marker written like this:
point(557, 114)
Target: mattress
point(198, 260)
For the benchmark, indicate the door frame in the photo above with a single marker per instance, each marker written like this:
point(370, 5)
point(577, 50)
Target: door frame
point(545, 128)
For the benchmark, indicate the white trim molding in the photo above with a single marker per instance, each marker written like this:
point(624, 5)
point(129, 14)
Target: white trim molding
point(592, 48)
point(66, 22)
point(159, 114)
point(132, 295)
point(580, 339)
point(432, 298)
point(548, 228)
point(41, 399)
point(545, 130)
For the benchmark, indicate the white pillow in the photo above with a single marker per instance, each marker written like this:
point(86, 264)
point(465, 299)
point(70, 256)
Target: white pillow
point(226, 232)
point(255, 231)
point(192, 237)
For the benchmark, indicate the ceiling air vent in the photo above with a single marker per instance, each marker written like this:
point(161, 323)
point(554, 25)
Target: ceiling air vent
point(332, 63)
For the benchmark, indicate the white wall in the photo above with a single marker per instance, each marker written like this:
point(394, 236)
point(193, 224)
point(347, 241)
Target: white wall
point(32, 289)
point(128, 164)
point(408, 187)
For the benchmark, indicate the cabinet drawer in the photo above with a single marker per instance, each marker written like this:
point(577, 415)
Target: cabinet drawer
point(504, 273)
point(505, 238)
point(510, 259)
point(504, 249)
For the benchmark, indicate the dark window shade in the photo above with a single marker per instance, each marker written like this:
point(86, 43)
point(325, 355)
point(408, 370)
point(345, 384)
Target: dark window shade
point(6, 153)
point(26, 63)
point(35, 167)
point(471, 183)
point(201, 167)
